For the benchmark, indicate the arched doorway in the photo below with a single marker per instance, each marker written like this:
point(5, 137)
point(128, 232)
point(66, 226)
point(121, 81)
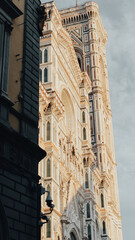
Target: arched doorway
point(72, 236)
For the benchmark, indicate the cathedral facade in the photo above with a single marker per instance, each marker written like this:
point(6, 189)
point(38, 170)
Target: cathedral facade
point(76, 127)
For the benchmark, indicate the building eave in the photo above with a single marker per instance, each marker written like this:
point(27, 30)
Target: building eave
point(10, 8)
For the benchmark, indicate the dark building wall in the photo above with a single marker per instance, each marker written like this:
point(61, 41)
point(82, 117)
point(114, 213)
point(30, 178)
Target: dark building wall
point(20, 206)
point(19, 150)
point(30, 75)
point(19, 185)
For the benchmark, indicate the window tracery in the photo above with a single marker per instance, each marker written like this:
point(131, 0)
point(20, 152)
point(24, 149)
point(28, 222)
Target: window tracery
point(48, 131)
point(45, 75)
point(48, 168)
point(88, 210)
point(45, 55)
point(86, 180)
point(89, 232)
point(104, 227)
point(102, 200)
point(83, 117)
point(40, 74)
point(84, 133)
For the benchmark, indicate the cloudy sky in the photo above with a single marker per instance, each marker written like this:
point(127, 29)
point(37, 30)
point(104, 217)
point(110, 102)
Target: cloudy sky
point(118, 17)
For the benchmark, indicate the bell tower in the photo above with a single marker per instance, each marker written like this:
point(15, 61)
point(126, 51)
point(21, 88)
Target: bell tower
point(89, 38)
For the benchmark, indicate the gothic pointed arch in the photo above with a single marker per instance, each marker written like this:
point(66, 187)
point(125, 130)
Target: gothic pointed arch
point(86, 180)
point(102, 200)
point(48, 131)
point(104, 227)
point(74, 232)
point(79, 55)
point(40, 74)
point(72, 236)
point(46, 75)
point(83, 117)
point(48, 168)
point(69, 113)
point(46, 55)
point(89, 232)
point(88, 210)
point(84, 161)
point(84, 133)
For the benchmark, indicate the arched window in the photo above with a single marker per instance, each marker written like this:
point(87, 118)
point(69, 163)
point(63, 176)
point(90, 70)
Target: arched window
point(72, 236)
point(40, 56)
point(89, 232)
point(83, 117)
point(91, 124)
point(45, 75)
point(88, 210)
point(84, 133)
point(46, 55)
point(86, 181)
point(91, 35)
point(48, 229)
point(84, 161)
point(40, 75)
point(48, 168)
point(93, 60)
point(102, 200)
point(94, 74)
point(49, 13)
point(104, 228)
point(88, 70)
point(79, 61)
point(48, 131)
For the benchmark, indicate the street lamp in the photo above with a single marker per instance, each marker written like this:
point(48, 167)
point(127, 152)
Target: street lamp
point(44, 216)
point(49, 201)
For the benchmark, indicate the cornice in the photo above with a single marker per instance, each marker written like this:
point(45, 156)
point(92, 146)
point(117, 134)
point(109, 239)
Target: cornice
point(113, 210)
point(87, 81)
point(52, 97)
point(105, 177)
point(102, 30)
point(10, 8)
point(43, 98)
point(56, 104)
point(97, 176)
point(75, 67)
